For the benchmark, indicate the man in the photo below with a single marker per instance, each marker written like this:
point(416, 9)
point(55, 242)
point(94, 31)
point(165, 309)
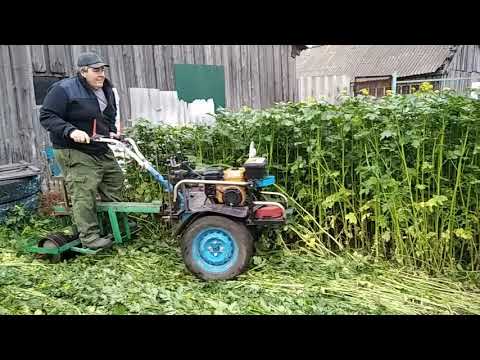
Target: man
point(73, 111)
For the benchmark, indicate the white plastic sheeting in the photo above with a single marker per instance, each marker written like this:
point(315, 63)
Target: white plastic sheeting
point(164, 107)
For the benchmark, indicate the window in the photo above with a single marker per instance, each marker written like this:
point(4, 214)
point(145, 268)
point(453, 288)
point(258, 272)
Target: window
point(41, 84)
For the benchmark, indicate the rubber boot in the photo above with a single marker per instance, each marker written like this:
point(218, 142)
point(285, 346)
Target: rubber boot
point(100, 243)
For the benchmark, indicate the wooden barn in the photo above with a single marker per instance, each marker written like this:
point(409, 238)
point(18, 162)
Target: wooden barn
point(150, 81)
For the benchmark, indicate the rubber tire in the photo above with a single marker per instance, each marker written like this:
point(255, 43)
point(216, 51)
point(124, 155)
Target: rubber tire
point(53, 259)
point(242, 238)
point(57, 240)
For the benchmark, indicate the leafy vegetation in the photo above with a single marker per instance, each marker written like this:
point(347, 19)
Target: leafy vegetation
point(396, 177)
point(386, 194)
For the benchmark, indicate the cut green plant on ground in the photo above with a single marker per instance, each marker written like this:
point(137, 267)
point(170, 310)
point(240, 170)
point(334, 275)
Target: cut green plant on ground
point(148, 276)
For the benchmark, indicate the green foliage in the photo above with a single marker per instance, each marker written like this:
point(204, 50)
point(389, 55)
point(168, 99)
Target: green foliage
point(22, 226)
point(395, 176)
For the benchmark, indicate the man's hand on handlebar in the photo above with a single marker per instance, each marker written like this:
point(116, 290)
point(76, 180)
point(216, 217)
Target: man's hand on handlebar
point(80, 136)
point(115, 136)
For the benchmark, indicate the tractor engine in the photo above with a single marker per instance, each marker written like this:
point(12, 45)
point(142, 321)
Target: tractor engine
point(211, 189)
point(233, 195)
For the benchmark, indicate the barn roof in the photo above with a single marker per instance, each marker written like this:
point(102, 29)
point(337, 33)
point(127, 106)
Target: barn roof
point(371, 60)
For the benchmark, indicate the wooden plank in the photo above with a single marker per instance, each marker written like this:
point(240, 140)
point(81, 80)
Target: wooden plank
point(5, 134)
point(159, 62)
point(262, 62)
point(218, 54)
point(42, 138)
point(248, 96)
point(76, 50)
point(144, 66)
point(56, 54)
point(117, 75)
point(235, 71)
point(245, 77)
point(38, 58)
point(270, 94)
point(70, 61)
point(129, 66)
point(4, 129)
point(277, 73)
point(199, 54)
point(209, 54)
point(9, 107)
point(476, 60)
point(227, 56)
point(92, 48)
point(255, 76)
point(168, 61)
point(25, 98)
point(285, 76)
point(178, 57)
point(24, 92)
point(189, 56)
point(292, 77)
point(138, 60)
point(178, 54)
point(149, 67)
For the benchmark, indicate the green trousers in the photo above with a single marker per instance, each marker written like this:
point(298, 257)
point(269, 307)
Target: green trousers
point(86, 176)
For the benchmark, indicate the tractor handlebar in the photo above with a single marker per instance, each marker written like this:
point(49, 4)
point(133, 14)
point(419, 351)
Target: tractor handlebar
point(137, 156)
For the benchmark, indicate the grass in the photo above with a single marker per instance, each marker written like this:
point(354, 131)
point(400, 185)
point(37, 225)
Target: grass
point(147, 276)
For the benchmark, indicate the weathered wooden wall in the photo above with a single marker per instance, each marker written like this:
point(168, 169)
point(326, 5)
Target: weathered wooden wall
point(21, 135)
point(255, 75)
point(465, 64)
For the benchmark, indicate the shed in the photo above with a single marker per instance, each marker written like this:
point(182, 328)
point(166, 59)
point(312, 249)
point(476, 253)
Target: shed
point(326, 70)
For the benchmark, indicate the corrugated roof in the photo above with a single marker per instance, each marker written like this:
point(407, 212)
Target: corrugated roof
point(371, 60)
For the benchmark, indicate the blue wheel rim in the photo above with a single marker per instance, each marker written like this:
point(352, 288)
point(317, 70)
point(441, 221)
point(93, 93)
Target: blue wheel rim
point(214, 250)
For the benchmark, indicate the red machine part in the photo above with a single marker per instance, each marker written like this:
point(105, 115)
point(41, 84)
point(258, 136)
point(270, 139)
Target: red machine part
point(269, 212)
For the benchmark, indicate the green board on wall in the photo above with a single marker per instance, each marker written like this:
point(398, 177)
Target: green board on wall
point(197, 82)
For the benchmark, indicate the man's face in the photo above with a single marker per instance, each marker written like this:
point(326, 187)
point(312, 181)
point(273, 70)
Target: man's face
point(95, 77)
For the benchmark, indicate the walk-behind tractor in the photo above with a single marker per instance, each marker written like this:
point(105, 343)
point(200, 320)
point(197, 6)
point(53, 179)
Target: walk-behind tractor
point(217, 213)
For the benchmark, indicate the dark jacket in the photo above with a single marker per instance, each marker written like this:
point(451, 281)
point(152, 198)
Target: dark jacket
point(71, 104)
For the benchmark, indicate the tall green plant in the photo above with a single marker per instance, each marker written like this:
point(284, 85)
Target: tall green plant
point(396, 176)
